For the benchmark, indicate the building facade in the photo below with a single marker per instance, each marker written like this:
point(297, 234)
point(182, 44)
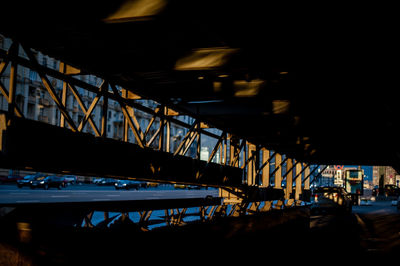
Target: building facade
point(385, 175)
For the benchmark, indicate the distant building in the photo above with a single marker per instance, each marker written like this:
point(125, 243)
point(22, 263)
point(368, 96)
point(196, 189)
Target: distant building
point(386, 175)
point(334, 175)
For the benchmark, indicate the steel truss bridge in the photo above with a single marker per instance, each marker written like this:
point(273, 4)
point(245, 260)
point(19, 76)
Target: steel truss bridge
point(244, 172)
point(289, 89)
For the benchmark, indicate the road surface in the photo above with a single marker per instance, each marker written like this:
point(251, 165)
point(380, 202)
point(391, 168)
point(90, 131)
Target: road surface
point(93, 193)
point(369, 232)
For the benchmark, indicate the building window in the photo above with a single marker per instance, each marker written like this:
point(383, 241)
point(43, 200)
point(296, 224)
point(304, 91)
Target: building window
point(31, 110)
point(32, 91)
point(44, 61)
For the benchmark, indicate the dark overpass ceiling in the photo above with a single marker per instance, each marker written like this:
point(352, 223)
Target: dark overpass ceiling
point(318, 81)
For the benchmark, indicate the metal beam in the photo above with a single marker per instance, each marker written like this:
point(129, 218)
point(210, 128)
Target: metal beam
point(5, 93)
point(216, 147)
point(104, 117)
point(266, 158)
point(291, 168)
point(315, 178)
point(189, 135)
point(279, 168)
point(79, 83)
point(289, 179)
point(297, 181)
point(48, 148)
point(47, 84)
point(136, 131)
point(299, 174)
point(87, 112)
point(309, 174)
point(64, 98)
point(278, 173)
point(269, 159)
point(10, 95)
point(235, 150)
point(251, 164)
point(12, 87)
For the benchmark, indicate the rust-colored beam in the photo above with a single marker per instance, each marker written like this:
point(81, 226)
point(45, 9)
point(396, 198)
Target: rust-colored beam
point(289, 178)
point(136, 131)
point(64, 98)
point(5, 93)
point(187, 139)
point(217, 145)
point(104, 117)
point(48, 148)
point(79, 83)
point(12, 89)
point(87, 112)
point(50, 89)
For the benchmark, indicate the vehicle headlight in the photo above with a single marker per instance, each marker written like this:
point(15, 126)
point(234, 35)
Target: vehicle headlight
point(124, 184)
point(41, 182)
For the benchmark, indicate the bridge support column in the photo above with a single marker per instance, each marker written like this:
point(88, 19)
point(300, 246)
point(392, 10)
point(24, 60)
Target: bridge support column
point(252, 156)
point(278, 172)
point(307, 180)
point(234, 150)
point(289, 179)
point(265, 170)
point(298, 189)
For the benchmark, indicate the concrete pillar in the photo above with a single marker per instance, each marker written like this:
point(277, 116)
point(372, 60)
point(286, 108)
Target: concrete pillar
point(289, 178)
point(251, 166)
point(307, 181)
point(298, 181)
point(265, 170)
point(278, 173)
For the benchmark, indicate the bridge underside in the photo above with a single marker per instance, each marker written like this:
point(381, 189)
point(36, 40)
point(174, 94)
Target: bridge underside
point(288, 86)
point(309, 82)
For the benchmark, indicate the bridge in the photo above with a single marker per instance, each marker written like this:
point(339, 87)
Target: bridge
point(282, 90)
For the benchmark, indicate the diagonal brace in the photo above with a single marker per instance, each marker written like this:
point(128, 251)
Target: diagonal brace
point(88, 113)
point(51, 90)
point(131, 124)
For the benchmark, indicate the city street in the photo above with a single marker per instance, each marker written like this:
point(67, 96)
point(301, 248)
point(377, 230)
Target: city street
point(92, 193)
point(370, 231)
point(379, 228)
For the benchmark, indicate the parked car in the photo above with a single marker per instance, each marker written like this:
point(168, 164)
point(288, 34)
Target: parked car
point(330, 199)
point(48, 182)
point(106, 182)
point(391, 191)
point(151, 184)
point(97, 180)
point(375, 191)
point(180, 186)
point(127, 184)
point(194, 187)
point(27, 180)
point(388, 191)
point(70, 179)
point(10, 179)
